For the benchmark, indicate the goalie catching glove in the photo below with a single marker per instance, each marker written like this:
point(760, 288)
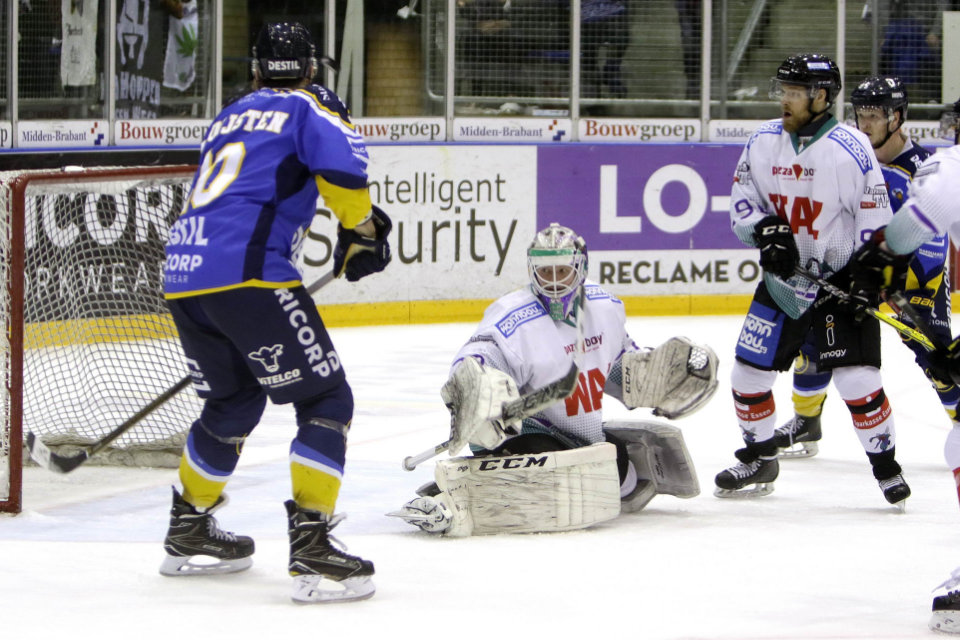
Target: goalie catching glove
point(358, 255)
point(475, 394)
point(675, 379)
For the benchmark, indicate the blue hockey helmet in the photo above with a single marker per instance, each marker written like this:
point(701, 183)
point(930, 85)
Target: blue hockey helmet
point(883, 92)
point(284, 51)
point(557, 266)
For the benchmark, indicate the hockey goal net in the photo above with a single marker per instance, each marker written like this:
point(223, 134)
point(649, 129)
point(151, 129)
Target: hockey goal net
point(88, 340)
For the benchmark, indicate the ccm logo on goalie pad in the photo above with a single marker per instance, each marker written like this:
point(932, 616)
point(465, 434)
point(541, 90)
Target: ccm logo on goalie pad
point(523, 462)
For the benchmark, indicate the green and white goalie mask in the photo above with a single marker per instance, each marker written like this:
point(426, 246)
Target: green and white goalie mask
point(557, 265)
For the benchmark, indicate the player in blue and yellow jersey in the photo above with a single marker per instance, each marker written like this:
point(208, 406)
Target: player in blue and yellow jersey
point(248, 326)
point(880, 109)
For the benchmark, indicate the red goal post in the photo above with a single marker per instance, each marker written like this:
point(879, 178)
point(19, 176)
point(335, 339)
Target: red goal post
point(88, 340)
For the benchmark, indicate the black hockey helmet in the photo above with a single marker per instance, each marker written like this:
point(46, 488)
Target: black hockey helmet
point(284, 51)
point(886, 92)
point(811, 70)
point(950, 123)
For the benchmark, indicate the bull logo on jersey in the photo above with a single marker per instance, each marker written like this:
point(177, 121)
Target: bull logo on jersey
point(268, 356)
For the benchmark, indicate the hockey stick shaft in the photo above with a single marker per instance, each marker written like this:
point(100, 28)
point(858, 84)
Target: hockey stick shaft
point(526, 405)
point(53, 461)
point(903, 329)
point(899, 300)
point(529, 403)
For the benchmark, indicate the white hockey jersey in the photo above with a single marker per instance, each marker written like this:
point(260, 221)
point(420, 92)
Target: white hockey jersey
point(517, 336)
point(933, 206)
point(830, 188)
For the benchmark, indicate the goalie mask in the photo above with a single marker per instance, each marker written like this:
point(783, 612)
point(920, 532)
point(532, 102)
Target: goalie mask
point(557, 265)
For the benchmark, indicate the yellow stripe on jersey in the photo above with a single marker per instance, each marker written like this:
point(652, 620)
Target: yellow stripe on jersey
point(351, 206)
point(313, 488)
point(261, 284)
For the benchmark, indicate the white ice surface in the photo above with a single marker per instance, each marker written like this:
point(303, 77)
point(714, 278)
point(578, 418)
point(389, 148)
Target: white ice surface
point(823, 557)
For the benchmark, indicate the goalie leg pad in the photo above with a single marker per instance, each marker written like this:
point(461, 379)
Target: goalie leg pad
point(660, 457)
point(550, 491)
point(675, 379)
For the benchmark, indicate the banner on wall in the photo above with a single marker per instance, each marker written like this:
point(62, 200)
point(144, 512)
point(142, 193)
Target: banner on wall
point(655, 219)
point(926, 133)
point(62, 133)
point(6, 135)
point(512, 129)
point(639, 130)
point(402, 129)
point(164, 132)
point(462, 219)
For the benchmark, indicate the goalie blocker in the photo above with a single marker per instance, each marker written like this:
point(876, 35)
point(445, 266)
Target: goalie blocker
point(555, 490)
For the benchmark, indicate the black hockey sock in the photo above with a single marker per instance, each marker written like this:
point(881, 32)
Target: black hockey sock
point(884, 465)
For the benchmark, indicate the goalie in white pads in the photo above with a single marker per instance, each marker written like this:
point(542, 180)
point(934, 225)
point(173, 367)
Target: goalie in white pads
point(560, 468)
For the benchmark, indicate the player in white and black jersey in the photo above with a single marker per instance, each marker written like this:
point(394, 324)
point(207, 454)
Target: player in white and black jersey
point(807, 192)
point(931, 209)
point(879, 106)
point(527, 340)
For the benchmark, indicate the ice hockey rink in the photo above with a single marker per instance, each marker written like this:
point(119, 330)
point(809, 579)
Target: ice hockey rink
point(823, 557)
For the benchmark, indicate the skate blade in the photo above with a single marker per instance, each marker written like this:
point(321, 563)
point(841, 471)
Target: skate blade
point(756, 491)
point(202, 565)
point(315, 589)
point(945, 621)
point(800, 450)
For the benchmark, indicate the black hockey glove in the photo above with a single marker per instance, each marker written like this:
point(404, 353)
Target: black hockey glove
point(358, 256)
point(943, 364)
point(778, 249)
point(875, 269)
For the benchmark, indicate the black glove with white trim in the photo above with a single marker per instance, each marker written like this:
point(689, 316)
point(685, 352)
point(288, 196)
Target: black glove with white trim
point(778, 249)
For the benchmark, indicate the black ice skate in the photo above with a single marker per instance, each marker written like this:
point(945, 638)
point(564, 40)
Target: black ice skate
point(196, 545)
point(798, 437)
point(889, 476)
point(753, 469)
point(322, 572)
point(946, 607)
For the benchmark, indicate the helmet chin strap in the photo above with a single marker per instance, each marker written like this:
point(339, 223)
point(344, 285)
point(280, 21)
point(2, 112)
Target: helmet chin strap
point(812, 125)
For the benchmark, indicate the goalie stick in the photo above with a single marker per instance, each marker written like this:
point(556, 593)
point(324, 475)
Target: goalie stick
point(905, 330)
point(49, 459)
point(529, 403)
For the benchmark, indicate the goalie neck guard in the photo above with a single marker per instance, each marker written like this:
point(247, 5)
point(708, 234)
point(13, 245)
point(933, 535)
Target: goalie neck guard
point(557, 266)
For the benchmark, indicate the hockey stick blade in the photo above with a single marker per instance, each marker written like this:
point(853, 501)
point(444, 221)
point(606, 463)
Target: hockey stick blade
point(903, 329)
point(526, 405)
point(53, 461)
point(45, 457)
point(898, 300)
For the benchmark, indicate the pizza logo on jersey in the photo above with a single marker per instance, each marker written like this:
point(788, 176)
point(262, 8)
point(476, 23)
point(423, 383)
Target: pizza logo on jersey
point(876, 197)
point(796, 170)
